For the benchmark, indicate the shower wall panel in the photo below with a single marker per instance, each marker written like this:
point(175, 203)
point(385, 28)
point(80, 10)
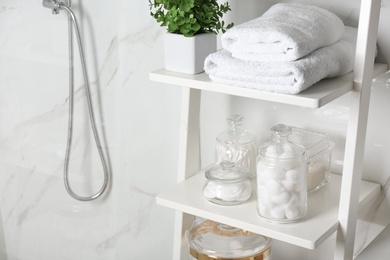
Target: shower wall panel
point(137, 121)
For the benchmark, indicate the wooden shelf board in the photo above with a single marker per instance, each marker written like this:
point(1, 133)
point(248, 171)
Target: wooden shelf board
point(319, 224)
point(316, 96)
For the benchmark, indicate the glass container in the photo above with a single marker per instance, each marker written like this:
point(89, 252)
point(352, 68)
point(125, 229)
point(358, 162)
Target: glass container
point(281, 178)
point(318, 149)
point(237, 145)
point(209, 240)
point(227, 184)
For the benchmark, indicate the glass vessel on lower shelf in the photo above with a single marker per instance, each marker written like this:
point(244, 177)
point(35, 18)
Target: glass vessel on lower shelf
point(227, 184)
point(209, 240)
point(281, 178)
point(237, 145)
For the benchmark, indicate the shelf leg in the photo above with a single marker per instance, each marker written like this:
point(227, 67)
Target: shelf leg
point(354, 150)
point(189, 161)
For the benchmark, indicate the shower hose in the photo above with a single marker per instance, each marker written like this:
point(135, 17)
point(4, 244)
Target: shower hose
point(73, 21)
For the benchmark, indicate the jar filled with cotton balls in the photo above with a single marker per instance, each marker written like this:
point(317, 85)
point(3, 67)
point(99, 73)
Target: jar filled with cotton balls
point(237, 144)
point(227, 184)
point(281, 178)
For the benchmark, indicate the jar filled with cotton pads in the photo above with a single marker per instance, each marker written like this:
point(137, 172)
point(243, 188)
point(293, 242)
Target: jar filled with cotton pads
point(227, 184)
point(318, 149)
point(215, 241)
point(237, 145)
point(281, 178)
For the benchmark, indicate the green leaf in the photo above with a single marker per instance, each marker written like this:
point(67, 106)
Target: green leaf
point(172, 27)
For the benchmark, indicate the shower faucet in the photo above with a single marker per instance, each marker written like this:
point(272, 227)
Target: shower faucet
point(52, 4)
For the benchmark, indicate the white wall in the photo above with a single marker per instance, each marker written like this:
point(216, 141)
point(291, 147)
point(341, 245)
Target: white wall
point(138, 121)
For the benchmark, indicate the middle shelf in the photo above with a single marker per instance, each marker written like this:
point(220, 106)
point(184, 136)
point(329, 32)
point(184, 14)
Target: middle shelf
point(316, 96)
point(319, 224)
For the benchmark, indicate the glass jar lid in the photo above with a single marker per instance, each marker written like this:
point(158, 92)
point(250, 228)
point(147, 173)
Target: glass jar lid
point(280, 147)
point(219, 240)
point(227, 171)
point(236, 134)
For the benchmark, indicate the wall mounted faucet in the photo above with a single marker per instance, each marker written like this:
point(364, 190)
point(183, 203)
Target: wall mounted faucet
point(52, 4)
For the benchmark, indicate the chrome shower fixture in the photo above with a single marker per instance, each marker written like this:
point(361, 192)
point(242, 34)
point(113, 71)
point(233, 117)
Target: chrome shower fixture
point(53, 4)
point(56, 7)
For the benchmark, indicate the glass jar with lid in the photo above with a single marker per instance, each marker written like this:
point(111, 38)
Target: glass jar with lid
point(227, 184)
point(281, 178)
point(237, 145)
point(209, 240)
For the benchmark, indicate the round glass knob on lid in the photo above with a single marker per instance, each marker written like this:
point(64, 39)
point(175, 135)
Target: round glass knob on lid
point(227, 184)
point(212, 240)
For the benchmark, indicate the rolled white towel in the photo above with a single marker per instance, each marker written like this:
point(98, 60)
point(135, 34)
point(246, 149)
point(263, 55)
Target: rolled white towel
point(285, 77)
point(285, 32)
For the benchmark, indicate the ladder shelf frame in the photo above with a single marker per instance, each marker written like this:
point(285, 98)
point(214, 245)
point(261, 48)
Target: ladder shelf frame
point(357, 125)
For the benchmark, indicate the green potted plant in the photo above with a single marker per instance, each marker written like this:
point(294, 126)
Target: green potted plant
point(192, 26)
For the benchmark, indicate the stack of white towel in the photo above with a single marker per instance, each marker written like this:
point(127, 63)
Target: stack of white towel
point(286, 50)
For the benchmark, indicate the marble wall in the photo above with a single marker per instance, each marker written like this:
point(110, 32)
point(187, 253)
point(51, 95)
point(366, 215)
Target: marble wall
point(138, 121)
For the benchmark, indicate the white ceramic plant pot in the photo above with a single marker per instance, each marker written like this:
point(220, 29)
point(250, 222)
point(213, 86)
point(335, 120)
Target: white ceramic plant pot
point(187, 54)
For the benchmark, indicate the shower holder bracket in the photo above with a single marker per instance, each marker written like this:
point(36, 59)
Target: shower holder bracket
point(52, 4)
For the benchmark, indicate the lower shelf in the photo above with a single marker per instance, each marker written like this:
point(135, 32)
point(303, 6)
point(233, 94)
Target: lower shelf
point(318, 225)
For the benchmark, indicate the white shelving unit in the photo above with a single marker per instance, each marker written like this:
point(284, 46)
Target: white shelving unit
point(332, 209)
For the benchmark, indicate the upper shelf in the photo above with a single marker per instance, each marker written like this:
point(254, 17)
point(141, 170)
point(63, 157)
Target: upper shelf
point(316, 96)
point(320, 222)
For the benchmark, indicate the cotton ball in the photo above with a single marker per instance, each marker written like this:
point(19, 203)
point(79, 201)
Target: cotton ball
point(288, 152)
point(263, 171)
point(286, 156)
point(263, 211)
point(278, 173)
point(293, 201)
point(271, 151)
point(230, 192)
point(261, 167)
point(274, 187)
point(288, 148)
point(218, 189)
point(209, 190)
point(261, 187)
point(292, 213)
point(289, 185)
point(278, 212)
point(266, 173)
point(264, 198)
point(281, 198)
point(293, 175)
point(293, 207)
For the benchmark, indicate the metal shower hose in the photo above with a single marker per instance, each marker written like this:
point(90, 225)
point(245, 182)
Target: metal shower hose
point(72, 18)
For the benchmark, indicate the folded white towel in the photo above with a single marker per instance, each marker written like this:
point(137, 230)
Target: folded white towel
point(285, 32)
point(285, 77)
